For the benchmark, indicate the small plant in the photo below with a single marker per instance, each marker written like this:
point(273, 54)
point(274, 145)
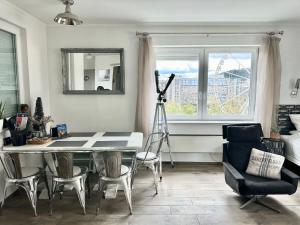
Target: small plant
point(2, 109)
point(275, 129)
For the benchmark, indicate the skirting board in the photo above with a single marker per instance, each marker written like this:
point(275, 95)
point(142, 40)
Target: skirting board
point(193, 157)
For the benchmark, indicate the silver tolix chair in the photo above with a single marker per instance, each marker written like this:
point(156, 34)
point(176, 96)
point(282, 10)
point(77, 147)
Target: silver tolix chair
point(64, 173)
point(26, 178)
point(150, 156)
point(111, 171)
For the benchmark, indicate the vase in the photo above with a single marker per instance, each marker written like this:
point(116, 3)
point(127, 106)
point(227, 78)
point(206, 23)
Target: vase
point(275, 135)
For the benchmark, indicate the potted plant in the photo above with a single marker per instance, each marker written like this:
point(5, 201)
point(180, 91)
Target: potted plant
point(2, 108)
point(275, 133)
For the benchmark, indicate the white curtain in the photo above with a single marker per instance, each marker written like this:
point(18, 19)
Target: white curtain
point(268, 83)
point(146, 86)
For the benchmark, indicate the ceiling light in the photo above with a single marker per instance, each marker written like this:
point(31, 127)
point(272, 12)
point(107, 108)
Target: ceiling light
point(67, 18)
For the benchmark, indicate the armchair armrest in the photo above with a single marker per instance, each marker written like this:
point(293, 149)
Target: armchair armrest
point(289, 176)
point(236, 174)
point(233, 178)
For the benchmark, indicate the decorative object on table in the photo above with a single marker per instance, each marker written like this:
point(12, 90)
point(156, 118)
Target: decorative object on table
point(2, 109)
point(275, 134)
point(39, 120)
point(18, 133)
point(275, 146)
point(38, 141)
point(60, 131)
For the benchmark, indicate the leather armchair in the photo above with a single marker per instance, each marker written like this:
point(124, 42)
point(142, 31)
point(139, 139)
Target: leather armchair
point(241, 138)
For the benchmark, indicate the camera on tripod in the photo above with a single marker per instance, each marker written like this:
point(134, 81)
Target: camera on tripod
point(162, 93)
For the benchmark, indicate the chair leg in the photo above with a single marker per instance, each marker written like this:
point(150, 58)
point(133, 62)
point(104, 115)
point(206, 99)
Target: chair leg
point(53, 191)
point(153, 168)
point(31, 191)
point(253, 199)
point(88, 184)
point(99, 196)
point(4, 195)
point(47, 185)
point(80, 190)
point(267, 206)
point(127, 191)
point(160, 168)
point(257, 200)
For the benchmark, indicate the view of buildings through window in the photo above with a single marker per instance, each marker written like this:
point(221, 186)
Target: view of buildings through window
point(225, 90)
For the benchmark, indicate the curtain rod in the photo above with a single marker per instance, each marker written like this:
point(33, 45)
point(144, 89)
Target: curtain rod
point(210, 33)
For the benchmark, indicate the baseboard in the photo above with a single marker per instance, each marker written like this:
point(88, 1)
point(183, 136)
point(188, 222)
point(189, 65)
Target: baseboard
point(203, 157)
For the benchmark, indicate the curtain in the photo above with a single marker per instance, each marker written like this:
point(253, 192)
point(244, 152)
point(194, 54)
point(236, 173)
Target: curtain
point(146, 86)
point(268, 83)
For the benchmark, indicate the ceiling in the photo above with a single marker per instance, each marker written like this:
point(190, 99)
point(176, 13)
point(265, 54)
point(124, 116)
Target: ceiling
point(169, 11)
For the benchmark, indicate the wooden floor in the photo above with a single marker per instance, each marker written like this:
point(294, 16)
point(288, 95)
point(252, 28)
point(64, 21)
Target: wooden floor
point(188, 195)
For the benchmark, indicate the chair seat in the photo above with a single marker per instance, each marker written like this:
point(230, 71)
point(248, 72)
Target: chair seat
point(142, 155)
point(29, 171)
point(76, 171)
point(255, 185)
point(124, 170)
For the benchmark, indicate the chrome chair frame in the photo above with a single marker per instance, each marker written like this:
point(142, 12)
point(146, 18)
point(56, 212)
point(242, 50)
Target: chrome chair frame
point(58, 182)
point(123, 179)
point(154, 164)
point(29, 183)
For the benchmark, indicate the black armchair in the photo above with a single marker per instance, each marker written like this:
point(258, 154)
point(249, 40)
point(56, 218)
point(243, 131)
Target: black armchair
point(241, 138)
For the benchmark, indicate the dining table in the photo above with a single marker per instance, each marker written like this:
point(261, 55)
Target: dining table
point(113, 143)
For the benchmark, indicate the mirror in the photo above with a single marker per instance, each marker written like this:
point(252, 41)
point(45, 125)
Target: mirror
point(93, 71)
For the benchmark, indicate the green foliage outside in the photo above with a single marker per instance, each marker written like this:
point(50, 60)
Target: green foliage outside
point(233, 106)
point(174, 108)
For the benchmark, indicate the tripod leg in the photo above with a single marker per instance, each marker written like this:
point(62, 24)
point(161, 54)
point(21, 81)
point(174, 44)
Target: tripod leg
point(166, 129)
point(170, 153)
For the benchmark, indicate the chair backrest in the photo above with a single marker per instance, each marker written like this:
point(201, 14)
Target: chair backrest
point(241, 139)
point(109, 162)
point(154, 143)
point(60, 164)
point(11, 165)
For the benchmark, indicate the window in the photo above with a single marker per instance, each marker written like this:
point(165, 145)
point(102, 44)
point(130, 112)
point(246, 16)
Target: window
point(8, 73)
point(210, 83)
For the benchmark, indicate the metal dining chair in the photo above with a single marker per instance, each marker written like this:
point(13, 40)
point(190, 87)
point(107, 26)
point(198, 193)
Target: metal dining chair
point(111, 171)
point(150, 156)
point(26, 178)
point(64, 173)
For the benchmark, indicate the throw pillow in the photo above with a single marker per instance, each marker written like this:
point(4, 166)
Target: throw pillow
point(295, 118)
point(265, 164)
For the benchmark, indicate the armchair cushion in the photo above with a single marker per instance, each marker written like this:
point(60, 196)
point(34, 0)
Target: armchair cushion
point(255, 185)
point(238, 154)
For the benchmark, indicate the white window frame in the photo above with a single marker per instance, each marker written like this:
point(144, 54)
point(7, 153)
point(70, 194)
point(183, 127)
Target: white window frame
point(22, 81)
point(203, 53)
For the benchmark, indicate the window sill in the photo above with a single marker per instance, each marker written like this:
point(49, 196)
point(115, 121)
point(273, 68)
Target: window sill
point(209, 121)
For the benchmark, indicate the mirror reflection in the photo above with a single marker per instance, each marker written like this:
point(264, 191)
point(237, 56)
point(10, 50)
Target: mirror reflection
point(93, 73)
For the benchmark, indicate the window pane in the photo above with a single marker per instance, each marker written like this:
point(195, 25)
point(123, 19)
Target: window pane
point(182, 94)
point(8, 73)
point(228, 88)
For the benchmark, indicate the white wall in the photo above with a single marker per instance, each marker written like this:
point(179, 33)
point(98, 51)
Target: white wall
point(93, 112)
point(34, 63)
point(117, 112)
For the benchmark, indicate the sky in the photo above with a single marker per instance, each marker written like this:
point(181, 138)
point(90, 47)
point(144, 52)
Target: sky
point(189, 68)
